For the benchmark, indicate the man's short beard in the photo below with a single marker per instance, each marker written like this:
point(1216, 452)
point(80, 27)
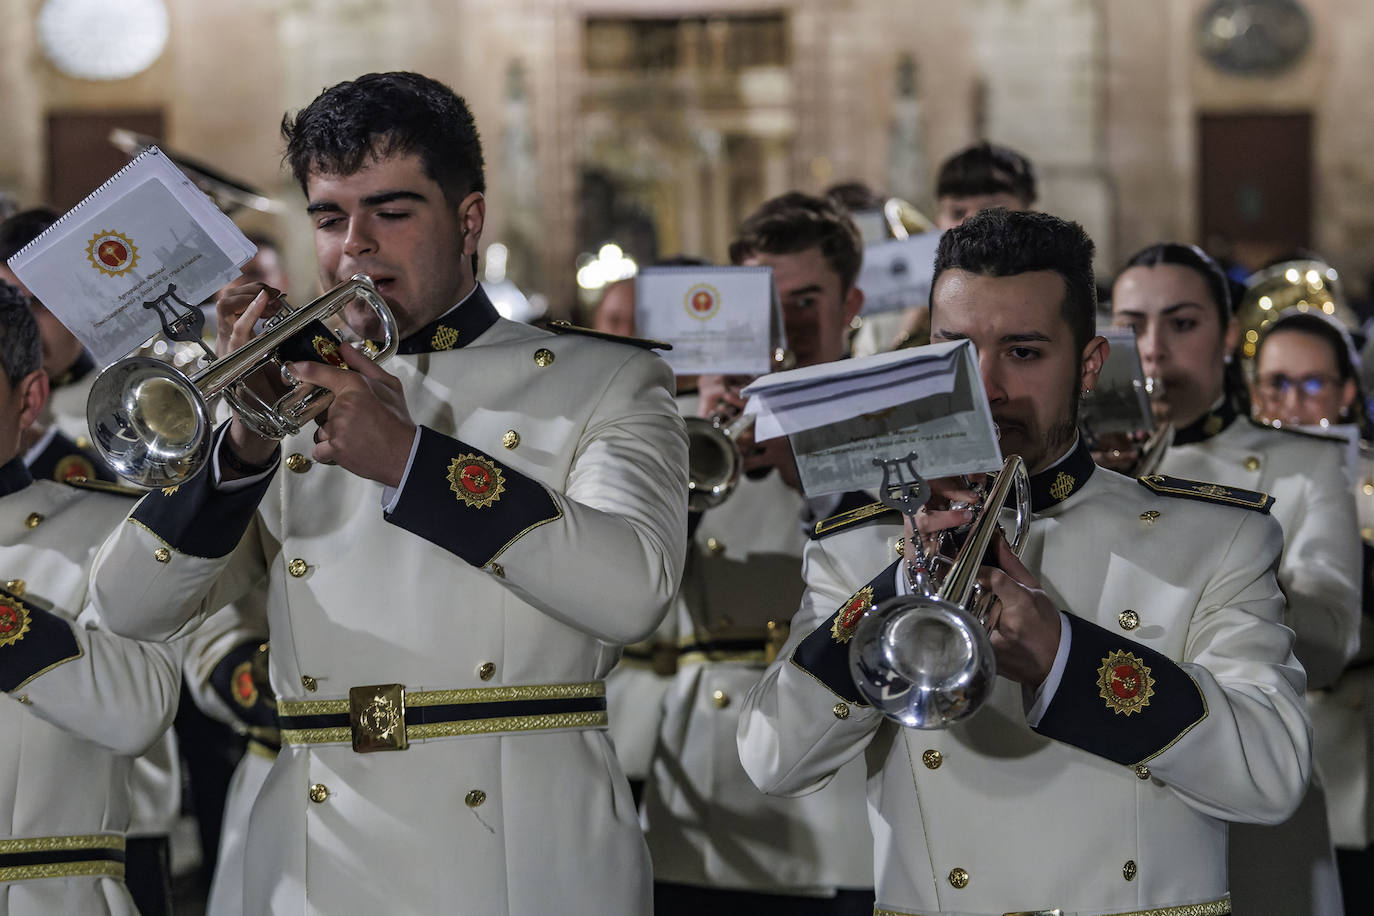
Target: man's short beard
point(1059, 436)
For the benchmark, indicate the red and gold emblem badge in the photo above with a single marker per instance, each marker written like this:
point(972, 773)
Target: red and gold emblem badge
point(1124, 682)
point(112, 253)
point(328, 349)
point(14, 621)
point(477, 481)
point(848, 617)
point(74, 467)
point(243, 687)
point(702, 301)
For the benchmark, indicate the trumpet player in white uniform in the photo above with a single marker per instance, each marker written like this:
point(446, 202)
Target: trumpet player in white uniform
point(719, 845)
point(1177, 300)
point(1147, 693)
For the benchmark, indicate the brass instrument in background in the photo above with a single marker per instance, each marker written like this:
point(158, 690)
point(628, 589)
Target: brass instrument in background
point(925, 660)
point(229, 194)
point(904, 220)
point(1305, 285)
point(151, 422)
point(714, 459)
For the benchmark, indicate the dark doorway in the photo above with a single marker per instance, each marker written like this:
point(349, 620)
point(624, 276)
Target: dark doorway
point(80, 155)
point(1255, 185)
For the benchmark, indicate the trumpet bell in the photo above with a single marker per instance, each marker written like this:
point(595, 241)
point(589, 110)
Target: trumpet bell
point(922, 661)
point(713, 464)
point(148, 421)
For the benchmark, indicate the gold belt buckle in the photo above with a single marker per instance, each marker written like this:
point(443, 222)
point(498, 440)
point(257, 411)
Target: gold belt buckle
point(377, 715)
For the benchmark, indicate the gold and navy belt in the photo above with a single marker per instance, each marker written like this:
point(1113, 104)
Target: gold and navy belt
point(95, 855)
point(1219, 907)
point(387, 717)
point(752, 651)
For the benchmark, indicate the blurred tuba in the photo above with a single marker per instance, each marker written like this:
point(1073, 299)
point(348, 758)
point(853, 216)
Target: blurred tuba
point(925, 660)
point(151, 421)
point(1305, 285)
point(904, 220)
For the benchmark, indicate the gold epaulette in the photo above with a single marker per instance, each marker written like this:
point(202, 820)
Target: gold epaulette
point(102, 486)
point(1207, 492)
point(559, 326)
point(829, 526)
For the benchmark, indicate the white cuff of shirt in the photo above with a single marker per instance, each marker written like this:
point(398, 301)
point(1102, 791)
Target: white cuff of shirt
point(238, 483)
point(1044, 695)
point(392, 495)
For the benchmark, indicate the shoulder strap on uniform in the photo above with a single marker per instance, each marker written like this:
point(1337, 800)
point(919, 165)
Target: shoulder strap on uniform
point(828, 526)
point(1206, 492)
point(559, 326)
point(86, 483)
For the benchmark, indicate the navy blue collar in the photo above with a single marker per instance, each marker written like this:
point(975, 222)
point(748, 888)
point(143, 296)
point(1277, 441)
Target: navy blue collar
point(14, 476)
point(1062, 479)
point(1207, 425)
point(457, 327)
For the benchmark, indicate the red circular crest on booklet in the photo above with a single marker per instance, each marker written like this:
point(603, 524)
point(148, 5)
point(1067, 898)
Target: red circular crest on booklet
point(112, 252)
point(702, 301)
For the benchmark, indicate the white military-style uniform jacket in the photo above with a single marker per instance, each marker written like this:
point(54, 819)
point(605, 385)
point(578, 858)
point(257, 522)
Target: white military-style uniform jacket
point(540, 525)
point(78, 703)
point(1290, 867)
point(1178, 708)
point(706, 823)
point(1343, 715)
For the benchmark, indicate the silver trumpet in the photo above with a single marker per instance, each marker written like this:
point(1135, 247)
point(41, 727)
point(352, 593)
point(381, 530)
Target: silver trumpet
point(714, 460)
point(151, 422)
point(925, 660)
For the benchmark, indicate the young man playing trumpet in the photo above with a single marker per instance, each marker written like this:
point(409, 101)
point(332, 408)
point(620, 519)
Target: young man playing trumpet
point(1147, 692)
point(452, 558)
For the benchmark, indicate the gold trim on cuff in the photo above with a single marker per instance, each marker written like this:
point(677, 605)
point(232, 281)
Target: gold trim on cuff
point(62, 843)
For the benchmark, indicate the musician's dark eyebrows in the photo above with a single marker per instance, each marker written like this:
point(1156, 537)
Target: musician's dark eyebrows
point(1029, 337)
point(372, 200)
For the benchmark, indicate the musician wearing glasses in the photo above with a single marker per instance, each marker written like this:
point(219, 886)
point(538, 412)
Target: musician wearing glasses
point(77, 703)
point(1305, 375)
point(719, 845)
point(1177, 300)
point(1146, 692)
point(453, 557)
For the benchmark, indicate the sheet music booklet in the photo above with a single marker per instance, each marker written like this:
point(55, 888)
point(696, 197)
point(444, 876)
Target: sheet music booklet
point(146, 240)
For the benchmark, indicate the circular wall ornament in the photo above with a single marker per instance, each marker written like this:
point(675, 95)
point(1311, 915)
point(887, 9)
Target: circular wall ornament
point(1254, 37)
point(101, 39)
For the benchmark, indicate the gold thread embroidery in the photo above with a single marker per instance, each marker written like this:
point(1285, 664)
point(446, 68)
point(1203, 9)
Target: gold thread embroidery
point(1124, 681)
point(596, 719)
point(328, 350)
point(1212, 489)
point(1062, 486)
point(62, 843)
point(476, 481)
point(847, 618)
point(585, 690)
point(853, 515)
point(444, 338)
point(14, 621)
point(243, 688)
point(1219, 907)
point(98, 869)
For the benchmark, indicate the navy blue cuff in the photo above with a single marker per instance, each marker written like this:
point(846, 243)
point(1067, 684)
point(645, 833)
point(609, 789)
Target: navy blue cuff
point(1119, 699)
point(32, 641)
point(198, 519)
point(466, 502)
point(243, 687)
point(824, 653)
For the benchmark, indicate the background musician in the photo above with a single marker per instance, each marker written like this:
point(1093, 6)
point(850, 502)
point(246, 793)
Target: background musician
point(1177, 300)
point(1199, 717)
point(718, 844)
point(1305, 374)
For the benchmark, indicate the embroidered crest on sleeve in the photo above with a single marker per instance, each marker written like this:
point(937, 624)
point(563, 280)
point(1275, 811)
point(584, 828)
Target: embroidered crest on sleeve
point(848, 617)
point(477, 481)
point(245, 690)
point(1124, 681)
point(14, 621)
